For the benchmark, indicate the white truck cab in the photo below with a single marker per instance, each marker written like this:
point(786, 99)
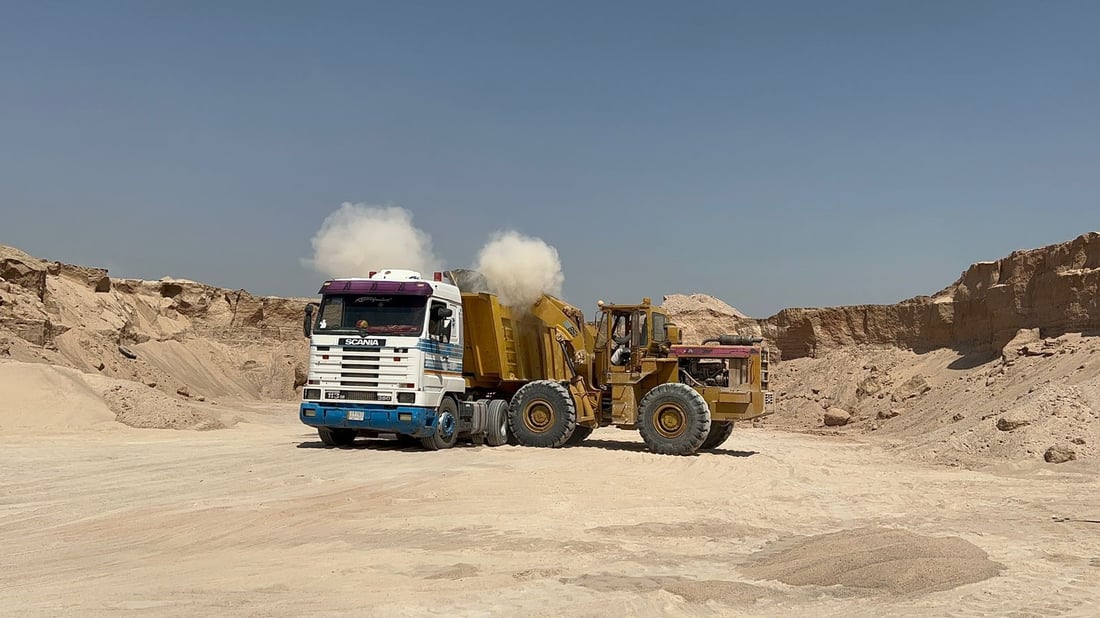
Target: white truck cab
point(384, 353)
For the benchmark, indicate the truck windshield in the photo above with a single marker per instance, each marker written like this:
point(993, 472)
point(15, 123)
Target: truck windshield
point(377, 315)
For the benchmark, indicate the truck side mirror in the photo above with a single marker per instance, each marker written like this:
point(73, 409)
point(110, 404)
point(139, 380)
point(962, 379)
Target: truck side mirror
point(443, 312)
point(445, 330)
point(307, 323)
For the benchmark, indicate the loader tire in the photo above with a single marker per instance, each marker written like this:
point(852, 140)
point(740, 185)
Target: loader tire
point(332, 436)
point(580, 434)
point(497, 433)
point(543, 414)
point(719, 433)
point(674, 419)
point(446, 427)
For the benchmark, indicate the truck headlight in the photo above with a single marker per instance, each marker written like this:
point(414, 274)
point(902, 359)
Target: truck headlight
point(311, 393)
point(406, 397)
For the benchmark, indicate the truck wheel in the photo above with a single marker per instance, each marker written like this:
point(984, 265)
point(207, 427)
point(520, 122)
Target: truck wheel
point(543, 414)
point(719, 433)
point(332, 436)
point(497, 433)
point(675, 419)
point(446, 427)
point(580, 434)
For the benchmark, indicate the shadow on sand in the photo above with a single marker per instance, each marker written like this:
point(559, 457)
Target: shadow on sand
point(972, 360)
point(638, 447)
point(413, 446)
point(374, 444)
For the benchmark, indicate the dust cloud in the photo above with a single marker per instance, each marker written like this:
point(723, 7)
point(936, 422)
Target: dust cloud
point(520, 268)
point(358, 238)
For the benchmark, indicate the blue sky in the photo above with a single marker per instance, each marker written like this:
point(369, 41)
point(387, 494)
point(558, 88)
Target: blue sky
point(773, 154)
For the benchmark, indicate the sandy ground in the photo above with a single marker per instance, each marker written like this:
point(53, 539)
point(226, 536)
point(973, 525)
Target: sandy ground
point(260, 519)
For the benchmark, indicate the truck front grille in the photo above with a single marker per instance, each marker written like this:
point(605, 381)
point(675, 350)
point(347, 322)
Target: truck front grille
point(380, 370)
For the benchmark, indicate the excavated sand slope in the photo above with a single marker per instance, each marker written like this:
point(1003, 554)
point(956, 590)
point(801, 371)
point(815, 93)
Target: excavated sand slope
point(155, 353)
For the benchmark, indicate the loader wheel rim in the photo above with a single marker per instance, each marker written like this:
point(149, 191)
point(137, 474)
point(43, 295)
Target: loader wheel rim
point(539, 416)
point(670, 421)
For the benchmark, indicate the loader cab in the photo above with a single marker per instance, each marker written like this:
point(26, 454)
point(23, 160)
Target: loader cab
point(627, 334)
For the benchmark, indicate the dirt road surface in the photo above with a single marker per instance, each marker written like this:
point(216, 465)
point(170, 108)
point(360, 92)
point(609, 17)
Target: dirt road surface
point(261, 520)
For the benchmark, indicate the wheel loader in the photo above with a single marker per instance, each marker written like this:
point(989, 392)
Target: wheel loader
point(629, 369)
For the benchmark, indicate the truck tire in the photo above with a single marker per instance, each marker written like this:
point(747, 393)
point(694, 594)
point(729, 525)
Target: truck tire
point(674, 419)
point(543, 414)
point(580, 434)
point(332, 436)
point(446, 427)
point(719, 433)
point(497, 434)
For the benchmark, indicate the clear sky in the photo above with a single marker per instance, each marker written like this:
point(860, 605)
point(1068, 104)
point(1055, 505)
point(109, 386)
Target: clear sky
point(773, 154)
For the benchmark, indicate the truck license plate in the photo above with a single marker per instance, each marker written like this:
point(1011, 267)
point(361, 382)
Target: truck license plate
point(355, 415)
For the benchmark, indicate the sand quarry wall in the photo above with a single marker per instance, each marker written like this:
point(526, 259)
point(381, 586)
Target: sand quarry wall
point(183, 342)
point(1053, 289)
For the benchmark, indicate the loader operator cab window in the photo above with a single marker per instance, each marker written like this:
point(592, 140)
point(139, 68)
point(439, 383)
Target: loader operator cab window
point(620, 328)
point(624, 327)
point(660, 327)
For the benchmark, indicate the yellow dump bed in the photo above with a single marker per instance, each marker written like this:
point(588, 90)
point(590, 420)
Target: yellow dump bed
point(506, 347)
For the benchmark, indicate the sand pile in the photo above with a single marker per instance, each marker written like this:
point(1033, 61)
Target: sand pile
point(700, 317)
point(884, 560)
point(39, 397)
point(953, 409)
point(48, 398)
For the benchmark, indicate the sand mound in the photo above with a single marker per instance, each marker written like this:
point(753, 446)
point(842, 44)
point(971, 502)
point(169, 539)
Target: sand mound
point(702, 303)
point(139, 406)
point(44, 397)
point(949, 408)
point(700, 316)
point(894, 561)
point(41, 397)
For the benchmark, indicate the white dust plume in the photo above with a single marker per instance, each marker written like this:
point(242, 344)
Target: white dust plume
point(359, 238)
point(520, 268)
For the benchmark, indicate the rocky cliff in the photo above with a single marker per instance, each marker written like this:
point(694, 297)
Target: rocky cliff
point(182, 337)
point(1053, 289)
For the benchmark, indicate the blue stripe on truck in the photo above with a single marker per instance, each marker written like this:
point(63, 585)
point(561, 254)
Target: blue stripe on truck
point(439, 347)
